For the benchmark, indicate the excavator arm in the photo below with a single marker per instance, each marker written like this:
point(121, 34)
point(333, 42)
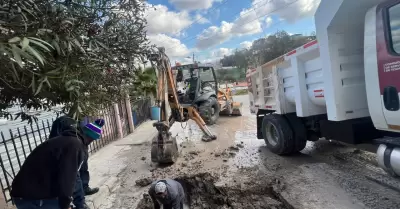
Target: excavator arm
point(164, 146)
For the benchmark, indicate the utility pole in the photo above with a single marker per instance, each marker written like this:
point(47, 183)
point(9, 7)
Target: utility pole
point(193, 58)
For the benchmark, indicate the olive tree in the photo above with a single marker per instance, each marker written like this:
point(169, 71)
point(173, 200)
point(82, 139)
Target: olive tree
point(76, 53)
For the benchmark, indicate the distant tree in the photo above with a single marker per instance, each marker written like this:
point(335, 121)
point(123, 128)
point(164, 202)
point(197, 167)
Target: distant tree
point(227, 61)
point(266, 49)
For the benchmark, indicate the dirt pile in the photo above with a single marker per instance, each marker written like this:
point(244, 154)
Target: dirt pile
point(202, 193)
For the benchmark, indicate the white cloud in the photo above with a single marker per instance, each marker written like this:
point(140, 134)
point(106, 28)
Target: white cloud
point(161, 20)
point(200, 19)
point(221, 52)
point(173, 46)
point(214, 35)
point(249, 21)
point(268, 22)
point(246, 44)
point(286, 9)
point(193, 4)
point(246, 23)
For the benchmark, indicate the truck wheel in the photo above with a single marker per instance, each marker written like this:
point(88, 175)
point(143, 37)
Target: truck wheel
point(278, 134)
point(300, 132)
point(209, 111)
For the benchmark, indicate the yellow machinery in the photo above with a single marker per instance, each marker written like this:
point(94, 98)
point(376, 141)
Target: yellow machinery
point(191, 94)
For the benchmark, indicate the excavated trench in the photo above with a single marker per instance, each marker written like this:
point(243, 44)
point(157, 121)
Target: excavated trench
point(202, 193)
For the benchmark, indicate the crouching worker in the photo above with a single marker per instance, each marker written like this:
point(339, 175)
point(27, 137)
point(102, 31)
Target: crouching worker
point(168, 193)
point(47, 178)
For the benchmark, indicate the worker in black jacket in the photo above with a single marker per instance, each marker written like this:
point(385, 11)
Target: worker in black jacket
point(47, 178)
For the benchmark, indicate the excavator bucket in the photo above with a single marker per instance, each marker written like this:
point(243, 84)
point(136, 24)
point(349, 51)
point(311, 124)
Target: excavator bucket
point(237, 109)
point(164, 149)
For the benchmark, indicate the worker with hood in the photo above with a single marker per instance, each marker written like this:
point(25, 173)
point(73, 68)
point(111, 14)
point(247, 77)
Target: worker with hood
point(82, 181)
point(168, 193)
point(47, 178)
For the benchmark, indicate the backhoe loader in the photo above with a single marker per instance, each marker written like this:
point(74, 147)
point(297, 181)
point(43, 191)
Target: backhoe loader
point(192, 93)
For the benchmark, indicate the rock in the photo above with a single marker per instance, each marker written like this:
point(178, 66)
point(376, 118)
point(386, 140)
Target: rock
point(217, 154)
point(234, 148)
point(143, 158)
point(240, 145)
point(225, 160)
point(194, 152)
point(183, 164)
point(143, 182)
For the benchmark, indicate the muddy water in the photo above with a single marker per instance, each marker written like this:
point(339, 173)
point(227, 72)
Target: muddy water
point(325, 175)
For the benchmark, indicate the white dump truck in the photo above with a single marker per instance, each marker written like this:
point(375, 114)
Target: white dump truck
point(343, 86)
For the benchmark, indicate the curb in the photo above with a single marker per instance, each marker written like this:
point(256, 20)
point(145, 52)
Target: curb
point(105, 193)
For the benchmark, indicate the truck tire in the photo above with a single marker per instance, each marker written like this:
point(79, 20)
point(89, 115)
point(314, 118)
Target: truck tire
point(299, 132)
point(278, 134)
point(209, 111)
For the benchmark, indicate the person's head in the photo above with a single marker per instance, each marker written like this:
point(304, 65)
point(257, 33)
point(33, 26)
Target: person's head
point(92, 131)
point(61, 124)
point(161, 190)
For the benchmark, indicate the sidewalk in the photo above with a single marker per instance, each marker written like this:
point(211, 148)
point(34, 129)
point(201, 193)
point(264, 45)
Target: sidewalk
point(106, 164)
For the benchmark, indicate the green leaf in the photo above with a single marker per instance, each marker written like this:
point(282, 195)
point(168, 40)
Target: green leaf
point(56, 46)
point(42, 41)
point(24, 43)
point(14, 40)
point(67, 22)
point(79, 46)
point(39, 88)
point(41, 45)
point(36, 54)
point(15, 72)
point(17, 55)
point(102, 45)
point(71, 88)
point(33, 83)
point(53, 72)
point(68, 83)
point(47, 81)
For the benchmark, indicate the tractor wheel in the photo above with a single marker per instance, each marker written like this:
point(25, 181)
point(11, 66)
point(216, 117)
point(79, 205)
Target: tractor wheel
point(209, 111)
point(278, 134)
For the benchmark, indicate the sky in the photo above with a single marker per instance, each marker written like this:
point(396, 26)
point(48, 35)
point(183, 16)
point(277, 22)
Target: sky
point(213, 28)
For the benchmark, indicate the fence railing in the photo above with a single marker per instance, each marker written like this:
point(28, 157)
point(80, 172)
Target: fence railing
point(17, 144)
point(140, 110)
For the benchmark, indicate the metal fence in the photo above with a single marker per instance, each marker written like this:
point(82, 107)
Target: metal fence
point(123, 113)
point(140, 110)
point(17, 144)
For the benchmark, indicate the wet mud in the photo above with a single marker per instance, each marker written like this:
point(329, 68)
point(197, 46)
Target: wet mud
point(203, 193)
point(238, 171)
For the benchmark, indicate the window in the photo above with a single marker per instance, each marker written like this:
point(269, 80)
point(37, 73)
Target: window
point(394, 18)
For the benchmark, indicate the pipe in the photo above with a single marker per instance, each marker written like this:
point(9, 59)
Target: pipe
point(389, 159)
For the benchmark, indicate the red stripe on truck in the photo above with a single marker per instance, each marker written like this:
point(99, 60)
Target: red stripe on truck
point(292, 52)
point(318, 90)
point(268, 106)
point(310, 44)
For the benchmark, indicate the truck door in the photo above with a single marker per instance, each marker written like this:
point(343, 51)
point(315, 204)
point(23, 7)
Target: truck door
point(388, 52)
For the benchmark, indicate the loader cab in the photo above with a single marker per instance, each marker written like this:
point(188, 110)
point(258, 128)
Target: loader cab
point(195, 83)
